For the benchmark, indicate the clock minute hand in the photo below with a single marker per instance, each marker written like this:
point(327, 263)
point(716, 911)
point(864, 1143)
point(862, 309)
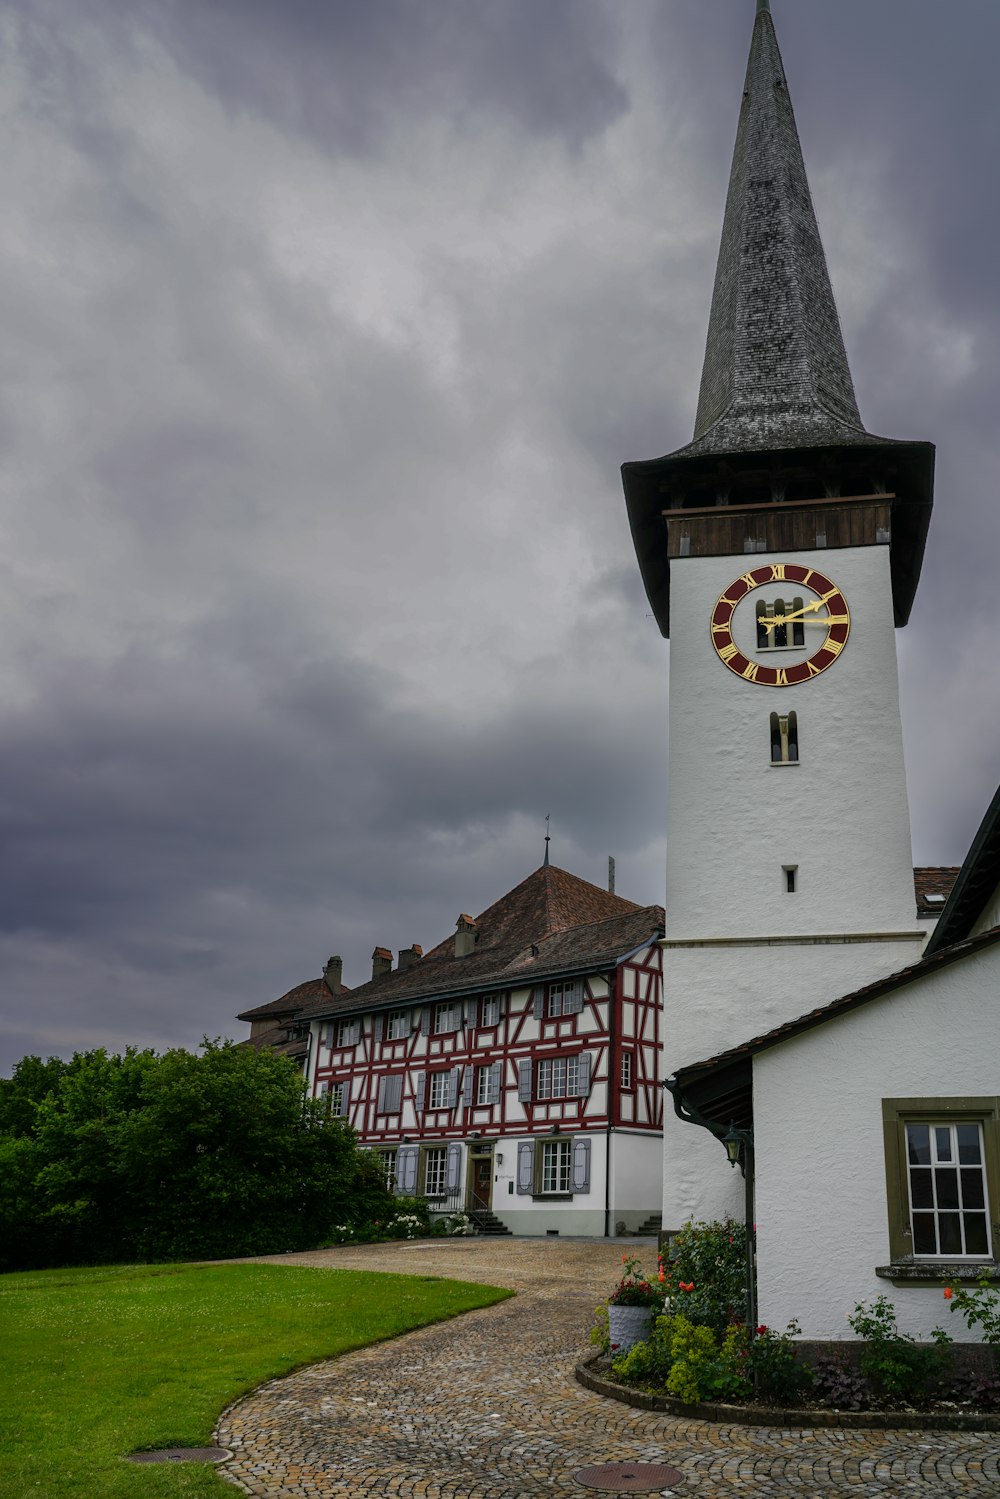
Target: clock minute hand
point(786, 619)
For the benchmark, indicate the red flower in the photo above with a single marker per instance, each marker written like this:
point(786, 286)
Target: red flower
point(762, 1329)
point(687, 1285)
point(948, 1293)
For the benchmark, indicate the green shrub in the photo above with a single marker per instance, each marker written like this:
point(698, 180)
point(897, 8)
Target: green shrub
point(706, 1273)
point(896, 1365)
point(688, 1361)
point(778, 1376)
point(980, 1307)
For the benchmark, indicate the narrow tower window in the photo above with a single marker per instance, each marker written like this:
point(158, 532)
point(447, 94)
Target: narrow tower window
point(791, 874)
point(782, 636)
point(784, 739)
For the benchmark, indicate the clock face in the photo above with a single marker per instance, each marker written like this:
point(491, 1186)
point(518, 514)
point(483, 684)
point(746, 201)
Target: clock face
point(780, 624)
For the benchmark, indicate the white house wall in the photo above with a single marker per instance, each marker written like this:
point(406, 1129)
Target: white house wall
point(822, 1224)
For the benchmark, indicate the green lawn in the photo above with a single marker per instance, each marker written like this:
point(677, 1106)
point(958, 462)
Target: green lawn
point(97, 1363)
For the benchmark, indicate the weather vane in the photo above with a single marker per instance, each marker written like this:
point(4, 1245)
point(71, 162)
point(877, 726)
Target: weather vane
point(547, 815)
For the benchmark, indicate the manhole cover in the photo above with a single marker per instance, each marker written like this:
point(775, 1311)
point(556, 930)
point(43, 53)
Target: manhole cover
point(629, 1478)
point(181, 1455)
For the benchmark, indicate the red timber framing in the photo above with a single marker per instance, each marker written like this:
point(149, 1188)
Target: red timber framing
point(569, 1052)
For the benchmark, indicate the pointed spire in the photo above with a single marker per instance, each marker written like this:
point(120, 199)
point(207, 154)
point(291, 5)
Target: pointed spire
point(776, 372)
point(546, 864)
point(777, 416)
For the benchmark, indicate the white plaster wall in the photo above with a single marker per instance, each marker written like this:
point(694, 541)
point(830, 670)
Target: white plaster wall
point(822, 1222)
point(841, 815)
point(635, 1175)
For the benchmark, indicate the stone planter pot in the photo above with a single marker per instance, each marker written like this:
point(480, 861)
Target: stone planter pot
point(628, 1325)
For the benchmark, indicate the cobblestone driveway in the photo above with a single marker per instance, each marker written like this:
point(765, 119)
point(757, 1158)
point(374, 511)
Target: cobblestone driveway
point(486, 1406)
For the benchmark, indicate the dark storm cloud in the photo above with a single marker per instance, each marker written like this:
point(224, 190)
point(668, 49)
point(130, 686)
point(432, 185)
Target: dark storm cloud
point(345, 73)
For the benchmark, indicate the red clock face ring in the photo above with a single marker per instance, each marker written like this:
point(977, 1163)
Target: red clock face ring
point(782, 637)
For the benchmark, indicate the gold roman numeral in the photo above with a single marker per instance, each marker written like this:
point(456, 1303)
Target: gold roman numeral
point(814, 670)
point(722, 629)
point(777, 572)
point(749, 580)
point(831, 594)
point(781, 680)
point(835, 646)
point(834, 619)
point(750, 671)
point(729, 651)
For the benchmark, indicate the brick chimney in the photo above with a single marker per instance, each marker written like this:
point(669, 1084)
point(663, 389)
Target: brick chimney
point(465, 936)
point(409, 955)
point(333, 975)
point(381, 962)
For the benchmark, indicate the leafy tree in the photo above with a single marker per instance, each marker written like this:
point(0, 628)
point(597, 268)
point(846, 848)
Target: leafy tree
point(147, 1157)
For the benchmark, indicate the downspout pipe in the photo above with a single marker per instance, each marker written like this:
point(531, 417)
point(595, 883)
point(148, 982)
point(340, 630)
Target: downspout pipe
point(685, 1110)
point(612, 1098)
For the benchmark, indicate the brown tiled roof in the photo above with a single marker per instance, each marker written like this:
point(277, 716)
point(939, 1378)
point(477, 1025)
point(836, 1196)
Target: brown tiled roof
point(934, 880)
point(502, 964)
point(292, 1002)
point(841, 1006)
point(551, 923)
point(277, 1040)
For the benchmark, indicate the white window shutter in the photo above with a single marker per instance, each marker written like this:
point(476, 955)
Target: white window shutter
point(345, 1098)
point(425, 1020)
point(581, 1164)
point(421, 1085)
point(378, 1026)
point(454, 1084)
point(471, 1008)
point(394, 1100)
point(382, 1103)
point(468, 1082)
point(493, 1086)
point(583, 1075)
point(524, 1080)
point(454, 1167)
point(538, 1001)
point(573, 998)
point(525, 1167)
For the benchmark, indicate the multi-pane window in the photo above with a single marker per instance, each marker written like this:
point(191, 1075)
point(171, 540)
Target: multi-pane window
point(436, 1173)
point(946, 1170)
point(439, 1091)
point(558, 1077)
point(626, 1069)
point(483, 1085)
point(564, 999)
point(447, 1017)
point(784, 739)
point(348, 1032)
point(489, 1010)
point(388, 1164)
point(397, 1026)
point(334, 1098)
point(556, 1166)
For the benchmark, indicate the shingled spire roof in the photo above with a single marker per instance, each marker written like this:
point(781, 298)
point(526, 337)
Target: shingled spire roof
point(777, 416)
point(776, 372)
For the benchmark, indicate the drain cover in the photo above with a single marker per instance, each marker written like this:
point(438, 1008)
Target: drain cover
point(629, 1478)
point(181, 1455)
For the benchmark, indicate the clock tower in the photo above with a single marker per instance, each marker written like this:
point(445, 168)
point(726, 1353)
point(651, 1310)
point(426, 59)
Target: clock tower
point(780, 551)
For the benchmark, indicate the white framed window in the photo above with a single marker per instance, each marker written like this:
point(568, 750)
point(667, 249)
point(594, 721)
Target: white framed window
point(436, 1172)
point(558, 1077)
point(387, 1160)
point(483, 1085)
point(626, 1069)
point(447, 1017)
point(564, 999)
point(334, 1096)
point(348, 1032)
point(397, 1026)
point(439, 1090)
point(489, 1010)
point(556, 1166)
point(946, 1176)
point(784, 738)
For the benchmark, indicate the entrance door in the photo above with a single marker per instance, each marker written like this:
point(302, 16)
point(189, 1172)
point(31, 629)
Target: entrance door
point(482, 1181)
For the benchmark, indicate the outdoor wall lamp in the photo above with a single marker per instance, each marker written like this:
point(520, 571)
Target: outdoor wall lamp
point(499, 1159)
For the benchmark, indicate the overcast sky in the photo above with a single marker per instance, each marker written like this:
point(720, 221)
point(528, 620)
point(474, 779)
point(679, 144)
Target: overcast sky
point(326, 326)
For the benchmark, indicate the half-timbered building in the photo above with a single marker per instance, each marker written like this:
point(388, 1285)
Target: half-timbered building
point(513, 1071)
